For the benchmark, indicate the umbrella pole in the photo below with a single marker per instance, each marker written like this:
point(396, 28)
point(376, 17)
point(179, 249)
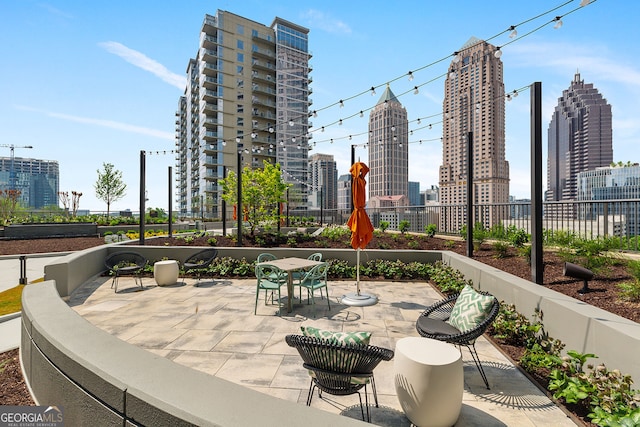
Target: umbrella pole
point(358, 270)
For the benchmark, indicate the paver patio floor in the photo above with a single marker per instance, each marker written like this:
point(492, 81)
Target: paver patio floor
point(212, 328)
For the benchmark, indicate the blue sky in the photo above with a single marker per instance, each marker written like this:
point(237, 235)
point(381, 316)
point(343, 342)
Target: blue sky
point(92, 82)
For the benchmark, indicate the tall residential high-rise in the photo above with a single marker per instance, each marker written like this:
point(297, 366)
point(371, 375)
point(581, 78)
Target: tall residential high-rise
point(323, 181)
point(579, 139)
point(474, 102)
point(247, 101)
point(388, 148)
point(37, 180)
point(414, 193)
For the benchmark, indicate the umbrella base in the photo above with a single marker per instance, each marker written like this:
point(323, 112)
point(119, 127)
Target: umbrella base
point(359, 300)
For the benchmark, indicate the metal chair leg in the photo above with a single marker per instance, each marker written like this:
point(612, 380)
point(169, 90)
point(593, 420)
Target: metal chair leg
point(476, 359)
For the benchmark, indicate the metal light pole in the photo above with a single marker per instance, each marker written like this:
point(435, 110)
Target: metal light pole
point(470, 194)
point(239, 192)
point(170, 206)
point(537, 266)
point(142, 195)
point(224, 205)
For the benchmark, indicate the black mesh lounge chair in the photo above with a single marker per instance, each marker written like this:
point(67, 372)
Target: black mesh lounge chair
point(125, 264)
point(339, 369)
point(199, 262)
point(432, 324)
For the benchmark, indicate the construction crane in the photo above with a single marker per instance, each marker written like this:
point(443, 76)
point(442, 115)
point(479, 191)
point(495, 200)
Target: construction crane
point(12, 171)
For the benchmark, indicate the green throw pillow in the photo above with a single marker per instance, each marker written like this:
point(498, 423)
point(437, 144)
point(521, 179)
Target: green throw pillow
point(470, 309)
point(361, 338)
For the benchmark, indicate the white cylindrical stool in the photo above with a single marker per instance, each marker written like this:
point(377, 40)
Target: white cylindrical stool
point(429, 381)
point(166, 272)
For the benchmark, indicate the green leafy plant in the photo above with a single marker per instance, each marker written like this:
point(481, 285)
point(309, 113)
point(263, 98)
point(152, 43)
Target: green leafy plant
point(501, 249)
point(403, 226)
point(630, 291)
point(517, 236)
point(430, 230)
point(212, 241)
point(384, 225)
point(446, 278)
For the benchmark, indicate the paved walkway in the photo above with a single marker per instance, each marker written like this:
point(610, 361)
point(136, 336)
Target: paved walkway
point(10, 278)
point(212, 328)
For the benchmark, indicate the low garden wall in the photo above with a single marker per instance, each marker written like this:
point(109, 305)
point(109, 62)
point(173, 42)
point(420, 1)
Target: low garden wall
point(36, 231)
point(69, 362)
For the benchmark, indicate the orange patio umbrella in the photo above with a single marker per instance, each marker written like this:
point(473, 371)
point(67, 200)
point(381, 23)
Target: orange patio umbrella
point(361, 229)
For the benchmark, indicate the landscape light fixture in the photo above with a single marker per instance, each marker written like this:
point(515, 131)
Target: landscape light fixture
point(578, 272)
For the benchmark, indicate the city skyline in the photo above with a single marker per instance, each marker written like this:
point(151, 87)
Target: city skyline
point(90, 83)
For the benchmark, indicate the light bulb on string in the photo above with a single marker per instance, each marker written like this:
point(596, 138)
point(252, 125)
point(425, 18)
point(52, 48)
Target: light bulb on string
point(322, 129)
point(315, 113)
point(238, 140)
point(415, 90)
point(340, 122)
point(419, 121)
point(456, 57)
point(271, 129)
point(361, 113)
point(224, 143)
point(498, 52)
point(293, 139)
point(514, 32)
point(400, 145)
point(410, 74)
point(373, 90)
point(349, 137)
point(341, 103)
point(291, 123)
point(430, 126)
point(393, 128)
point(253, 135)
point(558, 20)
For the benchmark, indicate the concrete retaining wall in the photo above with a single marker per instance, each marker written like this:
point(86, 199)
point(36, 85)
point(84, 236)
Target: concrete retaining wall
point(69, 362)
point(35, 231)
point(582, 327)
point(101, 380)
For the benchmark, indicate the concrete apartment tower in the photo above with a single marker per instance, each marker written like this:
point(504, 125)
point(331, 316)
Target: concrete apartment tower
point(323, 181)
point(579, 139)
point(38, 181)
point(473, 102)
point(388, 148)
point(247, 92)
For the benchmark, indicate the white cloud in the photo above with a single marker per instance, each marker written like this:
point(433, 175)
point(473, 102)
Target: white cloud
point(326, 22)
point(104, 123)
point(140, 60)
point(568, 58)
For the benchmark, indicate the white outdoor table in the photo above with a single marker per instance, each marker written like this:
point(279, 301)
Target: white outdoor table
point(290, 265)
point(166, 272)
point(429, 381)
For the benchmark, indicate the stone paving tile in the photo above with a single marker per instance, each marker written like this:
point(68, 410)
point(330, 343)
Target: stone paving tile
point(212, 328)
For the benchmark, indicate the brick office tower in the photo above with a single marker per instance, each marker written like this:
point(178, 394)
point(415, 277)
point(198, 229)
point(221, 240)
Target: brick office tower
point(579, 139)
point(474, 102)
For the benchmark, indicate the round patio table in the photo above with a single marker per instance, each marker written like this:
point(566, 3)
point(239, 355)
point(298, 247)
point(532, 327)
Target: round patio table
point(429, 381)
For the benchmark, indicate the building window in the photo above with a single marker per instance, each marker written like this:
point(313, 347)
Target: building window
point(240, 29)
point(240, 57)
point(240, 44)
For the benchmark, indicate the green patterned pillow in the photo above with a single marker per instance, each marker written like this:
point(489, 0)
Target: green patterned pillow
point(470, 309)
point(361, 338)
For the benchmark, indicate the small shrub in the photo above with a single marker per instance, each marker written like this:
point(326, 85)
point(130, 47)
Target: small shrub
point(630, 291)
point(212, 241)
point(446, 278)
point(430, 230)
point(525, 252)
point(501, 249)
point(384, 225)
point(403, 226)
point(450, 244)
point(413, 244)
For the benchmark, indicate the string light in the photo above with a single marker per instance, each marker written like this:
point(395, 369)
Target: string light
point(457, 56)
point(558, 22)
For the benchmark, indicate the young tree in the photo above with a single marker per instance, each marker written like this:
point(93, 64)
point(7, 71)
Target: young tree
point(262, 191)
point(109, 186)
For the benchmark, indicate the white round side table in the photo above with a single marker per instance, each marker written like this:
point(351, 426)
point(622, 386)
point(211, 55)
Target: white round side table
point(429, 381)
point(166, 272)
